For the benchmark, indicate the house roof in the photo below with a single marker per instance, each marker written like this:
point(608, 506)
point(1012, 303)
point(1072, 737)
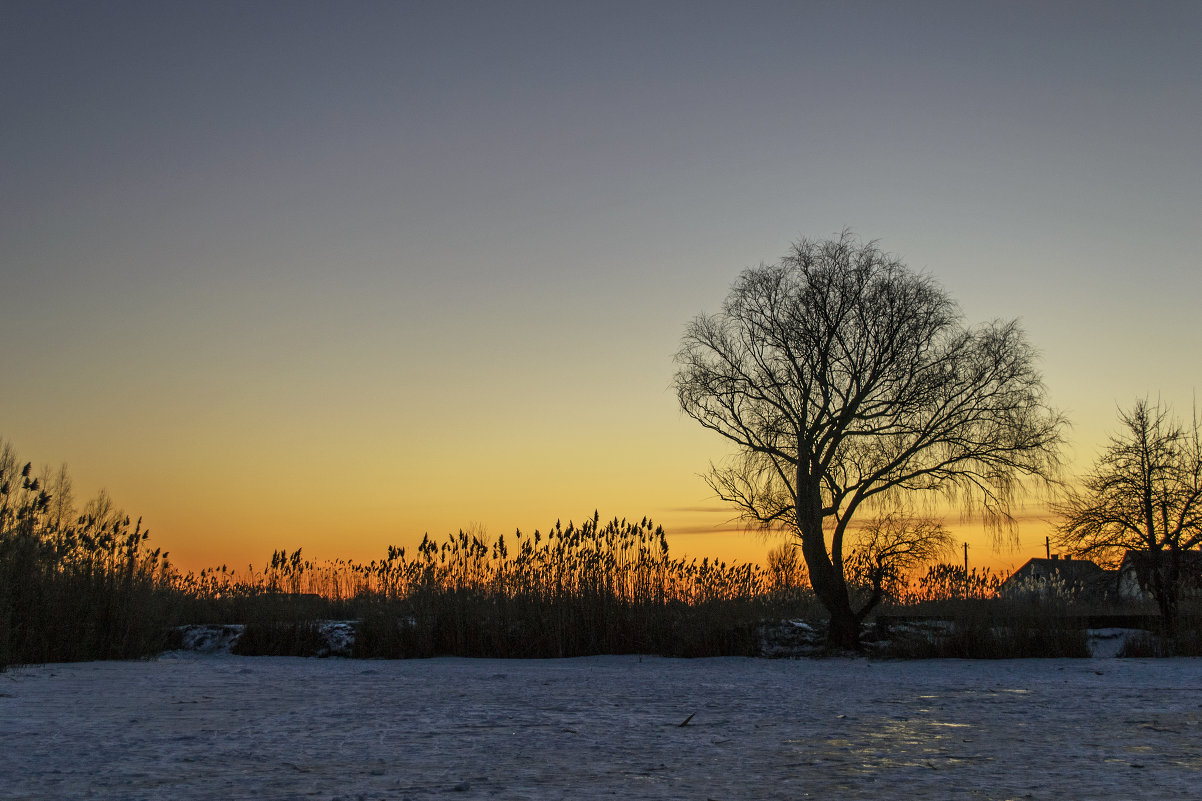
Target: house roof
point(1143, 562)
point(1190, 560)
point(1076, 568)
point(1073, 572)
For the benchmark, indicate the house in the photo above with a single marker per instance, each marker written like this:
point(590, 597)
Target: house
point(1081, 577)
point(1137, 568)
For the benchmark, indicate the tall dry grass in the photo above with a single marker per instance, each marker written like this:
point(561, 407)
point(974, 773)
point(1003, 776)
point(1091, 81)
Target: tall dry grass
point(73, 586)
point(597, 587)
point(86, 584)
point(975, 622)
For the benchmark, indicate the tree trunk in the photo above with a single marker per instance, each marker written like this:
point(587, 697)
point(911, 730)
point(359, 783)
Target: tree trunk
point(829, 585)
point(1166, 578)
point(844, 631)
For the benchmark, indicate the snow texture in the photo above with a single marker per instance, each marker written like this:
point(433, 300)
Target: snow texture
point(204, 726)
point(210, 639)
point(784, 639)
point(337, 637)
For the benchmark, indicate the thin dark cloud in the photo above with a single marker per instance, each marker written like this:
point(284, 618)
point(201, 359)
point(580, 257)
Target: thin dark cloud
point(1020, 518)
point(686, 530)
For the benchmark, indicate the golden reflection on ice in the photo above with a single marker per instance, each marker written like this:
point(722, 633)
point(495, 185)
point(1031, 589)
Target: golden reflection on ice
point(894, 743)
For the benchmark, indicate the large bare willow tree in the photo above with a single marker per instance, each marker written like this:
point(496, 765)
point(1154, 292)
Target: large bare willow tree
point(850, 383)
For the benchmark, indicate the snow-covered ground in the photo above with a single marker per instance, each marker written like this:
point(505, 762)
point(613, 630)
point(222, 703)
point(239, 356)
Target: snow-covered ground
point(204, 726)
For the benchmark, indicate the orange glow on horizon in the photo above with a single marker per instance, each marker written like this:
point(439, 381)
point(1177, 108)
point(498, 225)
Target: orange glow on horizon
point(704, 533)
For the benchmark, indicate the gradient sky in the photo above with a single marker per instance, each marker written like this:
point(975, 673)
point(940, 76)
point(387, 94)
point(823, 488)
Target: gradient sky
point(333, 275)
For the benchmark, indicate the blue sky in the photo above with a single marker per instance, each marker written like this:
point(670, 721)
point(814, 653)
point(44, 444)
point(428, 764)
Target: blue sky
point(337, 274)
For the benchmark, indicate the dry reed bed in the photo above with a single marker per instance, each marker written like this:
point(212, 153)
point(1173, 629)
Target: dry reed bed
point(89, 586)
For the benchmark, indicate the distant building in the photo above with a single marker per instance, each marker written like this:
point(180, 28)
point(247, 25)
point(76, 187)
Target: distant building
point(1137, 568)
point(1085, 579)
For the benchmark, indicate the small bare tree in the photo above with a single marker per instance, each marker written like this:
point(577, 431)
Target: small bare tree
point(844, 380)
point(786, 570)
point(1143, 494)
point(888, 549)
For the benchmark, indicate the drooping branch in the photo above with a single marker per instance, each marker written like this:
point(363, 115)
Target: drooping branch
point(845, 379)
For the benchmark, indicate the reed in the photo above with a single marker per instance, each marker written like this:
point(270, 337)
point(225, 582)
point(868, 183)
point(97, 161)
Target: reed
point(74, 587)
point(985, 632)
point(88, 585)
point(597, 587)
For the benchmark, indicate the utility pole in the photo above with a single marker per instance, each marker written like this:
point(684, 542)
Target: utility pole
point(1047, 544)
point(966, 570)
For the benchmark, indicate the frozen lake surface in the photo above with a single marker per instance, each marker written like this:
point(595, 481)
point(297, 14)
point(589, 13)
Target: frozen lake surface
point(189, 726)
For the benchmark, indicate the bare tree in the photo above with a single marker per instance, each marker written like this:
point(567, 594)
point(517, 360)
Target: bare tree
point(1144, 494)
point(887, 550)
point(785, 567)
point(845, 380)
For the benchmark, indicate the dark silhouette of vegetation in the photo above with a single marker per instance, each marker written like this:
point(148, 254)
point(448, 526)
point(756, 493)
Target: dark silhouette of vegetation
point(1144, 493)
point(1186, 641)
point(849, 383)
point(947, 613)
point(886, 553)
point(87, 585)
point(597, 587)
point(280, 638)
point(946, 582)
point(989, 633)
point(73, 586)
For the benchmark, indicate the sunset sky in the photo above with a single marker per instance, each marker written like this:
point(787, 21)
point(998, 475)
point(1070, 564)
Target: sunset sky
point(332, 275)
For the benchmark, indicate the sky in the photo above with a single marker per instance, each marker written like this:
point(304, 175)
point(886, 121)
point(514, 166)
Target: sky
point(334, 275)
